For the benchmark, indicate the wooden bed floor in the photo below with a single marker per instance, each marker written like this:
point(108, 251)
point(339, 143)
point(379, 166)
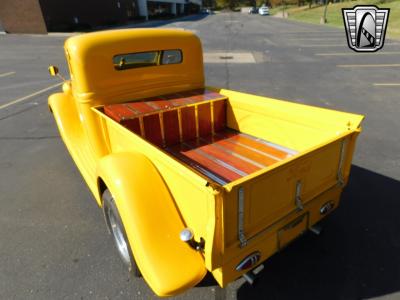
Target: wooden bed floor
point(229, 155)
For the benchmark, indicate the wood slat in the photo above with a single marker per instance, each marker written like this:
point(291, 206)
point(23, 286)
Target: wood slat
point(203, 163)
point(155, 104)
point(152, 129)
point(171, 127)
point(252, 142)
point(219, 114)
point(188, 123)
point(249, 154)
point(140, 107)
point(204, 119)
point(209, 164)
point(181, 101)
point(160, 104)
point(133, 125)
point(221, 155)
point(118, 112)
point(176, 152)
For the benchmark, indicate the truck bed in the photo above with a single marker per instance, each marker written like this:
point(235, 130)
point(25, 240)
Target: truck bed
point(191, 126)
point(278, 162)
point(229, 155)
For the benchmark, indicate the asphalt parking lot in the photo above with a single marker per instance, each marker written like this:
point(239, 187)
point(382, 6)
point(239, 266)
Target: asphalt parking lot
point(53, 240)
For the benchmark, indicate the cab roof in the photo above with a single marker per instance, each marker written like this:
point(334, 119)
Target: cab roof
point(90, 58)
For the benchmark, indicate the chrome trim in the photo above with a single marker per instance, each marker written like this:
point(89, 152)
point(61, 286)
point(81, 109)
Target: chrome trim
point(327, 207)
point(119, 239)
point(249, 277)
point(255, 150)
point(222, 148)
point(316, 229)
point(340, 175)
point(241, 235)
point(186, 235)
point(273, 145)
point(254, 258)
point(218, 161)
point(297, 198)
point(204, 171)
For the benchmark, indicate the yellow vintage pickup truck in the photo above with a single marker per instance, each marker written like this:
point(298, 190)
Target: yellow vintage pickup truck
point(194, 179)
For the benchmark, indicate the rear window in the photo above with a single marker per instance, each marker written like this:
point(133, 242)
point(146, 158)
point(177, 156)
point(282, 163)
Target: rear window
point(147, 59)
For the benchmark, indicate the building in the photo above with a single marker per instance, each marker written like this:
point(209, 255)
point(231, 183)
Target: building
point(41, 16)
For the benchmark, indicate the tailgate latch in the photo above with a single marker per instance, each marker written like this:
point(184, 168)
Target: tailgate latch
point(297, 198)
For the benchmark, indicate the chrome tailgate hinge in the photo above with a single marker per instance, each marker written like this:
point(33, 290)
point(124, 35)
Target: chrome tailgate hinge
point(297, 198)
point(340, 175)
point(241, 235)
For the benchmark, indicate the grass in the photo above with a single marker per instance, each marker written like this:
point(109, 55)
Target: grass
point(334, 14)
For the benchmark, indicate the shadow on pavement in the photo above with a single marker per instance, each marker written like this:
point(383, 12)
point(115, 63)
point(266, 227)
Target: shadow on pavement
point(356, 257)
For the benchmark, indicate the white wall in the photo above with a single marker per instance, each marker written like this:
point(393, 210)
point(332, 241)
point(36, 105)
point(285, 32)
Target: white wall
point(143, 8)
point(170, 1)
point(143, 5)
point(198, 2)
point(173, 9)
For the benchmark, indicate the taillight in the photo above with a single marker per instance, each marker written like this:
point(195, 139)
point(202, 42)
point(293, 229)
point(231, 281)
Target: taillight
point(249, 261)
point(327, 207)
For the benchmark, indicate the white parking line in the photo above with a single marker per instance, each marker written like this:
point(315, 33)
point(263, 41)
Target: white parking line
point(7, 74)
point(358, 53)
point(269, 42)
point(30, 96)
point(306, 32)
point(332, 45)
point(315, 38)
point(319, 45)
point(386, 84)
point(370, 66)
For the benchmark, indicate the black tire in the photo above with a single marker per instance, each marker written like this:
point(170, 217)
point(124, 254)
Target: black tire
point(117, 230)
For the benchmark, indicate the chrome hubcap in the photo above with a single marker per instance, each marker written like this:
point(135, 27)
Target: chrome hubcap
point(119, 238)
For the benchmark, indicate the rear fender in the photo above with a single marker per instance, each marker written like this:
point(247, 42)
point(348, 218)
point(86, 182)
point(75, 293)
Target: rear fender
point(152, 223)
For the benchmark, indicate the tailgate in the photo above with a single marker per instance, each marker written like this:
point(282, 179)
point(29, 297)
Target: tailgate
point(253, 205)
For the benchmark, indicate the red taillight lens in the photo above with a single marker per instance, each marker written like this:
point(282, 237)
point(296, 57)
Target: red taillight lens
point(249, 261)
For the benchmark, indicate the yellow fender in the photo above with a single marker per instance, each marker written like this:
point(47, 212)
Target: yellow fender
point(152, 223)
point(67, 118)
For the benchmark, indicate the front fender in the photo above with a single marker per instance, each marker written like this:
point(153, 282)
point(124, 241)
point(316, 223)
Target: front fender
point(152, 223)
point(66, 115)
point(71, 129)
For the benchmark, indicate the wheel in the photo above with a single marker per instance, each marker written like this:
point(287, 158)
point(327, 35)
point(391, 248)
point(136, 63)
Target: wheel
point(117, 230)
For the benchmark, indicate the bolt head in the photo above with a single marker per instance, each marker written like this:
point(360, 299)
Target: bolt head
point(186, 235)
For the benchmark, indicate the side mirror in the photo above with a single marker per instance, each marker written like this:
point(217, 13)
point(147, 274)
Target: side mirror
point(53, 70)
